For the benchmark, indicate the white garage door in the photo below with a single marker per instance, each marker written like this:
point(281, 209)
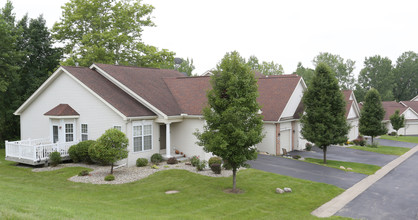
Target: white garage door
point(411, 129)
point(286, 140)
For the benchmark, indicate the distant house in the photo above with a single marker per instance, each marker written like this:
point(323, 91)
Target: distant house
point(157, 109)
point(406, 108)
point(352, 114)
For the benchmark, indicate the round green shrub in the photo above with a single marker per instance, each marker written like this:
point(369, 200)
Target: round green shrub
point(55, 158)
point(109, 177)
point(80, 151)
point(296, 157)
point(214, 160)
point(141, 162)
point(195, 160)
point(216, 168)
point(172, 160)
point(201, 165)
point(156, 158)
point(83, 173)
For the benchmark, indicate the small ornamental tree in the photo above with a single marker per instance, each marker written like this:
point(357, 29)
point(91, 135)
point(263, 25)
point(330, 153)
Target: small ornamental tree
point(233, 123)
point(324, 121)
point(371, 115)
point(110, 148)
point(397, 121)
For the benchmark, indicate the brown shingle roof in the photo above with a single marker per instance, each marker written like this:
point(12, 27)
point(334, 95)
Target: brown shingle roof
point(109, 92)
point(390, 108)
point(411, 104)
point(62, 110)
point(275, 92)
point(148, 83)
point(347, 94)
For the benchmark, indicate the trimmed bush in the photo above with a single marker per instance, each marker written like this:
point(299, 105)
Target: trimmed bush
point(214, 160)
point(80, 151)
point(172, 160)
point(55, 158)
point(296, 157)
point(154, 167)
point(195, 160)
point(141, 162)
point(308, 146)
point(83, 173)
point(216, 168)
point(201, 165)
point(359, 142)
point(156, 158)
point(109, 177)
point(393, 133)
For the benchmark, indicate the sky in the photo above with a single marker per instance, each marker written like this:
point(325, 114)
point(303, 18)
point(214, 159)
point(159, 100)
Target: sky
point(286, 32)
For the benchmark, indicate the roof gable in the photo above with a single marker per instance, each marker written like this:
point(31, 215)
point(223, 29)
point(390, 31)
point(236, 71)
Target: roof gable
point(62, 110)
point(412, 104)
point(390, 108)
point(352, 108)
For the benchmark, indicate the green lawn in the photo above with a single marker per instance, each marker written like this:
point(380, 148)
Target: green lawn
point(383, 149)
point(357, 167)
point(48, 195)
point(410, 139)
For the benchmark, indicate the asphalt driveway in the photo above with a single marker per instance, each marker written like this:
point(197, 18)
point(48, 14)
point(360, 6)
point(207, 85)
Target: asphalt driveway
point(304, 170)
point(385, 142)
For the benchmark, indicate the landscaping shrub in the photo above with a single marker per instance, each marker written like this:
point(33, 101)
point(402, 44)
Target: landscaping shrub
point(141, 162)
point(373, 145)
point(80, 151)
point(359, 142)
point(83, 173)
point(308, 146)
point(201, 165)
point(55, 158)
point(195, 160)
point(109, 177)
point(156, 158)
point(154, 167)
point(393, 133)
point(216, 168)
point(214, 160)
point(296, 157)
point(172, 160)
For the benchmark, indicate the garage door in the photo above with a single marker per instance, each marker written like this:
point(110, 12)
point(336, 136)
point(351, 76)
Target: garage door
point(411, 129)
point(286, 140)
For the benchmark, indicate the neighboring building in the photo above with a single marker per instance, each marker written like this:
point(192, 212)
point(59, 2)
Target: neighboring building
point(157, 109)
point(411, 116)
point(352, 114)
point(411, 125)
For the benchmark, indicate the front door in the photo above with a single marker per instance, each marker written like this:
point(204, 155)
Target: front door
point(162, 137)
point(55, 135)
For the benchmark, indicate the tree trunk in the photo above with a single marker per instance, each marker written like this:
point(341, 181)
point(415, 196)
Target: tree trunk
point(372, 139)
point(234, 179)
point(324, 149)
point(111, 169)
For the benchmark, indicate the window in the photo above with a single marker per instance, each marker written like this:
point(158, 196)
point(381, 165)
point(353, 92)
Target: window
point(118, 127)
point(142, 136)
point(84, 132)
point(69, 133)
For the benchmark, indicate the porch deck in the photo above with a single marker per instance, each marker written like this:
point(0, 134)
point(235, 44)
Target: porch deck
point(35, 151)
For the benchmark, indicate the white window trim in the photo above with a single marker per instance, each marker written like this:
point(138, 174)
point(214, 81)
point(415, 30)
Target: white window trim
point(142, 123)
point(119, 126)
point(81, 131)
point(65, 132)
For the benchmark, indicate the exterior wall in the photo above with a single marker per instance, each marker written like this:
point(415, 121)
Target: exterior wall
point(268, 144)
point(294, 101)
point(286, 136)
point(353, 132)
point(64, 89)
point(300, 142)
point(182, 138)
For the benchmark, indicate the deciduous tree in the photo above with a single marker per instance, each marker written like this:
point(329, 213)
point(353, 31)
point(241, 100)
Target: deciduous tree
point(306, 73)
point(372, 115)
point(233, 123)
point(324, 121)
point(397, 121)
point(266, 68)
point(406, 76)
point(343, 69)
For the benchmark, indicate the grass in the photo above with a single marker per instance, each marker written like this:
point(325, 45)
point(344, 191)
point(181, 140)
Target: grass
point(49, 195)
point(357, 167)
point(410, 139)
point(383, 149)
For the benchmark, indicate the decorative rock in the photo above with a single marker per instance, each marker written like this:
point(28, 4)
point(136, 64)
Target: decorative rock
point(349, 168)
point(279, 191)
point(287, 189)
point(172, 192)
point(188, 163)
point(341, 167)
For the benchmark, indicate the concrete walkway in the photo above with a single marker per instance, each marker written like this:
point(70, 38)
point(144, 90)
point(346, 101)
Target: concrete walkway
point(336, 204)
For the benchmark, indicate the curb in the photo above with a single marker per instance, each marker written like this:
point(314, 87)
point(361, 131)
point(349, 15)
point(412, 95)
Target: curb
point(333, 206)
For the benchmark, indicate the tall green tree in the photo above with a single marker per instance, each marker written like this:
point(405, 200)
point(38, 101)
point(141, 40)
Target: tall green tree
point(406, 76)
point(372, 115)
point(324, 121)
point(185, 66)
point(233, 123)
point(266, 68)
point(397, 121)
point(108, 31)
point(377, 73)
point(306, 73)
point(343, 69)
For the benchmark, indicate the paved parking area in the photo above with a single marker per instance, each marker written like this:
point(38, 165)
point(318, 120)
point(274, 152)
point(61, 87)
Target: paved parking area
point(385, 142)
point(308, 171)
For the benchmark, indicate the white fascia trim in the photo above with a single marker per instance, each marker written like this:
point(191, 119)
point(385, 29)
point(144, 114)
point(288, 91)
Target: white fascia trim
point(141, 118)
point(95, 95)
point(414, 98)
point(39, 91)
point(62, 117)
point(294, 89)
point(403, 104)
point(412, 110)
point(128, 91)
point(356, 106)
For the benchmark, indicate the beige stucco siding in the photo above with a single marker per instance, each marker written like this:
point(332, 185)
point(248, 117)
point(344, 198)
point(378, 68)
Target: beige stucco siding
point(65, 90)
point(268, 144)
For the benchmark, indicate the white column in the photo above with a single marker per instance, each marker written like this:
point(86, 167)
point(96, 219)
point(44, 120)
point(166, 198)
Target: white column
point(167, 140)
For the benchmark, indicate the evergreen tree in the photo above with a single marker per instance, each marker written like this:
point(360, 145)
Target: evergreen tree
point(397, 121)
point(233, 123)
point(371, 115)
point(324, 121)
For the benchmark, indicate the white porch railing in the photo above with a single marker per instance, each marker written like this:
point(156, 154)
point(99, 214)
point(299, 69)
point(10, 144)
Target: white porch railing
point(36, 149)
